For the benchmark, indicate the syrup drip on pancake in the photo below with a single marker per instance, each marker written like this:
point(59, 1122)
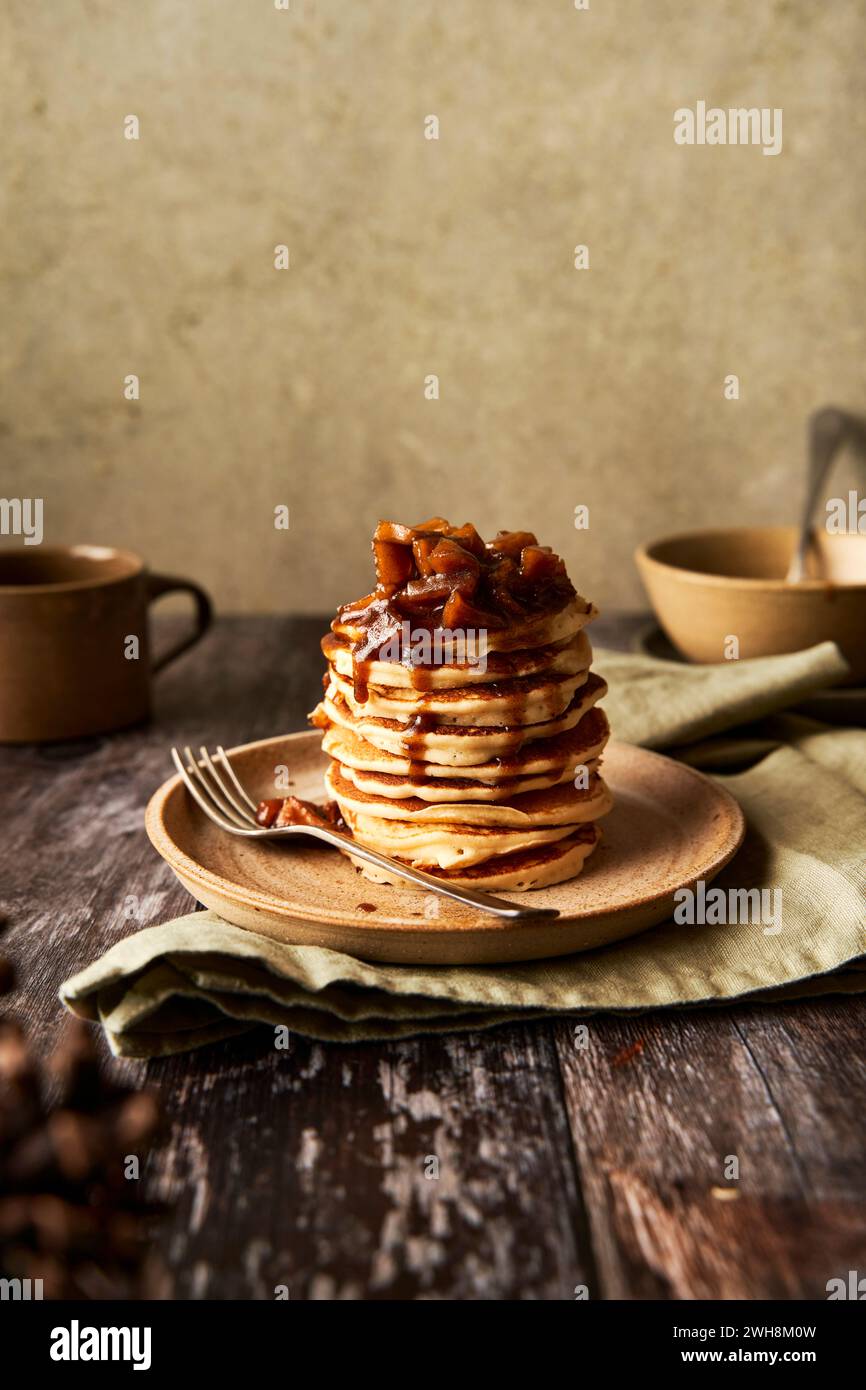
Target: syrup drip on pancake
point(413, 744)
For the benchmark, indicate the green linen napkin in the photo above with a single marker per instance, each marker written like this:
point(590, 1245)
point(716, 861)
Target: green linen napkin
point(801, 784)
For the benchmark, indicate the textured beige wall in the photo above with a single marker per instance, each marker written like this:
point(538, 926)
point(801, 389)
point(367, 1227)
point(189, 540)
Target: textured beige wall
point(410, 257)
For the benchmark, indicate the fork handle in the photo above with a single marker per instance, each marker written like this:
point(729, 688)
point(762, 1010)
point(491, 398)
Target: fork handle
point(473, 897)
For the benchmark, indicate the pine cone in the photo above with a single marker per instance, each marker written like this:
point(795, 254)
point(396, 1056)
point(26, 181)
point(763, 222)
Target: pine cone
point(69, 1215)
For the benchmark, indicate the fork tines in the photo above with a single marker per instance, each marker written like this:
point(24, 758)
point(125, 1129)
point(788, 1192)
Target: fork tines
point(218, 792)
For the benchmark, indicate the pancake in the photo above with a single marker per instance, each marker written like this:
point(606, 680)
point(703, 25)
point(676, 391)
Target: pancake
point(566, 657)
point(564, 804)
point(526, 700)
point(445, 845)
point(539, 758)
point(461, 745)
point(447, 789)
point(539, 867)
point(459, 705)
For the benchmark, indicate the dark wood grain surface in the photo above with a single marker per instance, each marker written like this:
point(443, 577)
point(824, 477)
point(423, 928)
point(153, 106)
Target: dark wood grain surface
point(561, 1166)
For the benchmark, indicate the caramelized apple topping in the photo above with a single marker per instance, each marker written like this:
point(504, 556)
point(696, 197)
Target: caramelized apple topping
point(394, 563)
point(291, 810)
point(420, 569)
point(268, 811)
point(441, 576)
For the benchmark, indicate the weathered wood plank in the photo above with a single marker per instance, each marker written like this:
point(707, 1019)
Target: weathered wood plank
point(812, 1061)
point(310, 1169)
point(660, 1104)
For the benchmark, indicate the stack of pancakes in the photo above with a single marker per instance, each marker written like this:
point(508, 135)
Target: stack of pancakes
point(481, 769)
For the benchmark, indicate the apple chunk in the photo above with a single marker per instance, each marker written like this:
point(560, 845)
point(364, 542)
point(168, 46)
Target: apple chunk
point(394, 562)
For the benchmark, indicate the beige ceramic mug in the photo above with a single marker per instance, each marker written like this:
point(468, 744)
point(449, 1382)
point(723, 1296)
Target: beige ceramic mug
point(74, 646)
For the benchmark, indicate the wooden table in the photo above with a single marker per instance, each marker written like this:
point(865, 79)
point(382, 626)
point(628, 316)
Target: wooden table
point(559, 1166)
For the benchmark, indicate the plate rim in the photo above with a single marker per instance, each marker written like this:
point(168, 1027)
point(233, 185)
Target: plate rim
point(181, 864)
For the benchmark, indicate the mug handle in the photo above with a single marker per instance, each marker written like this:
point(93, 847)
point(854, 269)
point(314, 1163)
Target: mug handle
point(159, 584)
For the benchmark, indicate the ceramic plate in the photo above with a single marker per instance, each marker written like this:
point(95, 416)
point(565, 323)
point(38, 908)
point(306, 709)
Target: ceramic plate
point(670, 827)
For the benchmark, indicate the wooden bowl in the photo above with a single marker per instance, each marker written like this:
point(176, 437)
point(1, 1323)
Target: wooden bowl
point(707, 586)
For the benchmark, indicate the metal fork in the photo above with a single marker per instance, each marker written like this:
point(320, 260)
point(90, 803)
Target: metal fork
point(223, 800)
